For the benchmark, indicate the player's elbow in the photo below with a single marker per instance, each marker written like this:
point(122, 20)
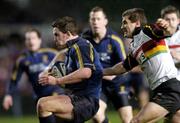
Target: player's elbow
point(87, 72)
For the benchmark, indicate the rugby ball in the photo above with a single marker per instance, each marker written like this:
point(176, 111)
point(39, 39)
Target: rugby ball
point(58, 69)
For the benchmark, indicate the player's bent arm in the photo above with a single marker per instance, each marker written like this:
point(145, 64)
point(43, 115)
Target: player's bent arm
point(76, 76)
point(164, 25)
point(115, 70)
point(7, 102)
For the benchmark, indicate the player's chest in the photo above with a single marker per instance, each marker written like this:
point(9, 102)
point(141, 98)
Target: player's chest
point(141, 46)
point(36, 63)
point(105, 50)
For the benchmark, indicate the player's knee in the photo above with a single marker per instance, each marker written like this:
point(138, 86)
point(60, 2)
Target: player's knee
point(41, 105)
point(99, 117)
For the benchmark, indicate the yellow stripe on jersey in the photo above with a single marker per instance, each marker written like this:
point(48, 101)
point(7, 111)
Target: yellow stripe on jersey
point(116, 38)
point(48, 50)
point(14, 74)
point(91, 53)
point(155, 51)
point(76, 47)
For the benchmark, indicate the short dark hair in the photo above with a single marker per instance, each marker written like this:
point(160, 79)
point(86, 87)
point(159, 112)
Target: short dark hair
point(136, 14)
point(97, 9)
point(32, 29)
point(66, 24)
point(168, 10)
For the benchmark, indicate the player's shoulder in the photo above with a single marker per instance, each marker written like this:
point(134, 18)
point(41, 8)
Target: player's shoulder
point(21, 57)
point(87, 34)
point(83, 41)
point(24, 54)
point(47, 50)
point(113, 35)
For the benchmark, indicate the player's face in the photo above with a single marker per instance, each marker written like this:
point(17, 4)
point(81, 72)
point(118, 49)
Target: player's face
point(60, 38)
point(97, 21)
point(127, 27)
point(172, 19)
point(32, 41)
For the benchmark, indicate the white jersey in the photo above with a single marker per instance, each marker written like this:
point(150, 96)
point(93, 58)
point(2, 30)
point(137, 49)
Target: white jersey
point(154, 57)
point(174, 45)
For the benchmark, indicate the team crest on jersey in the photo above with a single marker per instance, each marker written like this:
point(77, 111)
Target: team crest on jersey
point(109, 50)
point(45, 58)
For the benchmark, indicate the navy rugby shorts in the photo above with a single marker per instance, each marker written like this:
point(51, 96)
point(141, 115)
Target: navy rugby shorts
point(84, 108)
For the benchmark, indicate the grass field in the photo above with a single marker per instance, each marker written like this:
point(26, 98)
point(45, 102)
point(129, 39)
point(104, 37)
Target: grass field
point(113, 116)
point(33, 119)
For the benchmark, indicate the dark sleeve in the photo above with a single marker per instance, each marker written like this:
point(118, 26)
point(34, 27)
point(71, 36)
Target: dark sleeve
point(119, 49)
point(154, 31)
point(17, 72)
point(130, 63)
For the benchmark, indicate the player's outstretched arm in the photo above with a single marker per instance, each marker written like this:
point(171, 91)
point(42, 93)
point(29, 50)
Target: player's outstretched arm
point(164, 26)
point(115, 70)
point(7, 102)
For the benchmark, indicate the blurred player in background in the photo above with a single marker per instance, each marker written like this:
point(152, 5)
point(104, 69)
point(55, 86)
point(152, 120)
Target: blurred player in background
point(110, 48)
point(83, 78)
point(149, 50)
point(172, 16)
point(32, 62)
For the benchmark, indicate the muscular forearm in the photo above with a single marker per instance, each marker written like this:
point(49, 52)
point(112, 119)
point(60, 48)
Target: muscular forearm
point(76, 76)
point(115, 70)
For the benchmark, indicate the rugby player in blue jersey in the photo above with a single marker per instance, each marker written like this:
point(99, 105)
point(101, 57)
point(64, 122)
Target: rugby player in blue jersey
point(111, 50)
point(150, 50)
point(32, 62)
point(82, 81)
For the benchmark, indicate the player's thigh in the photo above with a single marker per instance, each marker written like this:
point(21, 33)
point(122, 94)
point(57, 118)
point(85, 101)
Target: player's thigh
point(151, 112)
point(59, 103)
point(102, 105)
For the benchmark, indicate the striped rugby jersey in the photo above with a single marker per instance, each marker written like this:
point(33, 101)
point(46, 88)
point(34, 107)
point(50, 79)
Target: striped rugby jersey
point(150, 51)
point(174, 42)
point(174, 45)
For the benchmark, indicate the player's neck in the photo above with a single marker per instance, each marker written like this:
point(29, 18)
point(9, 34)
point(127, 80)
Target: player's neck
point(72, 37)
point(173, 30)
point(99, 36)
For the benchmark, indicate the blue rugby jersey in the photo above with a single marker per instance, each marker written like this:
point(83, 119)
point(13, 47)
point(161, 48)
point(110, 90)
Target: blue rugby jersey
point(82, 54)
point(111, 48)
point(33, 63)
